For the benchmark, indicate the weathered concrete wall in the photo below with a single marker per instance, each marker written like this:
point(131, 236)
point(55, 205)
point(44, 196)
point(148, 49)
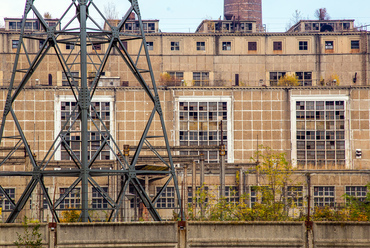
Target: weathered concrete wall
point(197, 234)
point(338, 235)
point(8, 233)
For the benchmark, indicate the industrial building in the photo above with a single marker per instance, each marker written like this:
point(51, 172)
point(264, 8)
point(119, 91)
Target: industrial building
point(219, 84)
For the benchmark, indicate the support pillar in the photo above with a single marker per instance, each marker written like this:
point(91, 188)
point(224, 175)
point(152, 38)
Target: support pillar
point(222, 171)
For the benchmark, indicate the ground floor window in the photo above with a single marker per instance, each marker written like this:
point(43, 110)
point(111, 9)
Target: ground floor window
point(324, 196)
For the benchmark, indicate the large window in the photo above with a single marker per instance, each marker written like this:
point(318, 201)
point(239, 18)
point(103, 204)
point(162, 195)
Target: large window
point(103, 107)
point(72, 200)
point(201, 78)
point(199, 197)
point(98, 201)
point(324, 196)
point(4, 202)
point(318, 132)
point(275, 76)
point(167, 198)
point(358, 192)
point(232, 194)
point(295, 196)
point(304, 78)
point(200, 124)
point(73, 79)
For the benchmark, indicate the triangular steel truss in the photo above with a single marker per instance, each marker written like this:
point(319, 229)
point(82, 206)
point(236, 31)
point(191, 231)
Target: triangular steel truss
point(81, 36)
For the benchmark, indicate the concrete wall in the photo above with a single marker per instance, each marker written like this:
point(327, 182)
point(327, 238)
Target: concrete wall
point(197, 234)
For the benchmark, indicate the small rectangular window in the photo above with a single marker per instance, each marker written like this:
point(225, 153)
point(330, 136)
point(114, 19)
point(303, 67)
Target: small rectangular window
point(15, 43)
point(97, 47)
point(175, 46)
point(226, 46)
point(303, 45)
point(278, 46)
point(201, 46)
point(355, 44)
point(150, 45)
point(252, 46)
point(70, 46)
point(329, 45)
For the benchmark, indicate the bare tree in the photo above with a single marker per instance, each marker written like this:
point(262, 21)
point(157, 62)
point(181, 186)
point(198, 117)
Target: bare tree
point(110, 11)
point(322, 14)
point(296, 17)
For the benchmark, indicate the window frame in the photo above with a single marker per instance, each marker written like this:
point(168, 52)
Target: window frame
point(150, 45)
point(167, 200)
point(226, 46)
point(58, 118)
point(252, 45)
point(294, 122)
point(15, 44)
point(209, 99)
point(5, 204)
point(355, 44)
point(277, 46)
point(201, 45)
point(303, 45)
point(329, 45)
point(175, 46)
point(323, 198)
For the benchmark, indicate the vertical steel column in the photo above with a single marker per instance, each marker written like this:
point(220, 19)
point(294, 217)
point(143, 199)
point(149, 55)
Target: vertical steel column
point(84, 99)
point(222, 171)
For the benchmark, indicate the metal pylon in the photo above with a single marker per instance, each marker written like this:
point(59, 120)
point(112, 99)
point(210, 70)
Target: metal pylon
point(82, 31)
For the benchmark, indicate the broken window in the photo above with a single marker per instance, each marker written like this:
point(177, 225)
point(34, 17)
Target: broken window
point(201, 46)
point(149, 45)
point(226, 46)
point(329, 45)
point(175, 46)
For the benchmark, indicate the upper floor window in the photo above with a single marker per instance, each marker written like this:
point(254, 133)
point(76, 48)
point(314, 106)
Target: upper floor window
point(329, 45)
point(70, 46)
point(201, 78)
point(252, 46)
point(149, 45)
point(226, 46)
point(278, 46)
point(175, 46)
point(355, 44)
point(275, 76)
point(201, 46)
point(177, 77)
point(97, 47)
point(73, 78)
point(15, 43)
point(303, 45)
point(305, 78)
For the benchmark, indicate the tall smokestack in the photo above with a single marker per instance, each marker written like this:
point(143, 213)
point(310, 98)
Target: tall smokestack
point(246, 10)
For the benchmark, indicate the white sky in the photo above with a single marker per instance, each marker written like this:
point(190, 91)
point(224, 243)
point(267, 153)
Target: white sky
point(186, 15)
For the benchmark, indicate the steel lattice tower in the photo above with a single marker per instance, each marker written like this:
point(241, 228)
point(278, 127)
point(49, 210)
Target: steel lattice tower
point(86, 33)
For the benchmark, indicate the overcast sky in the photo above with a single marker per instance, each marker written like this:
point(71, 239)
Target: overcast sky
point(185, 16)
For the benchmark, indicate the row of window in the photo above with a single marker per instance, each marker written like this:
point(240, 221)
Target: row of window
point(322, 195)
